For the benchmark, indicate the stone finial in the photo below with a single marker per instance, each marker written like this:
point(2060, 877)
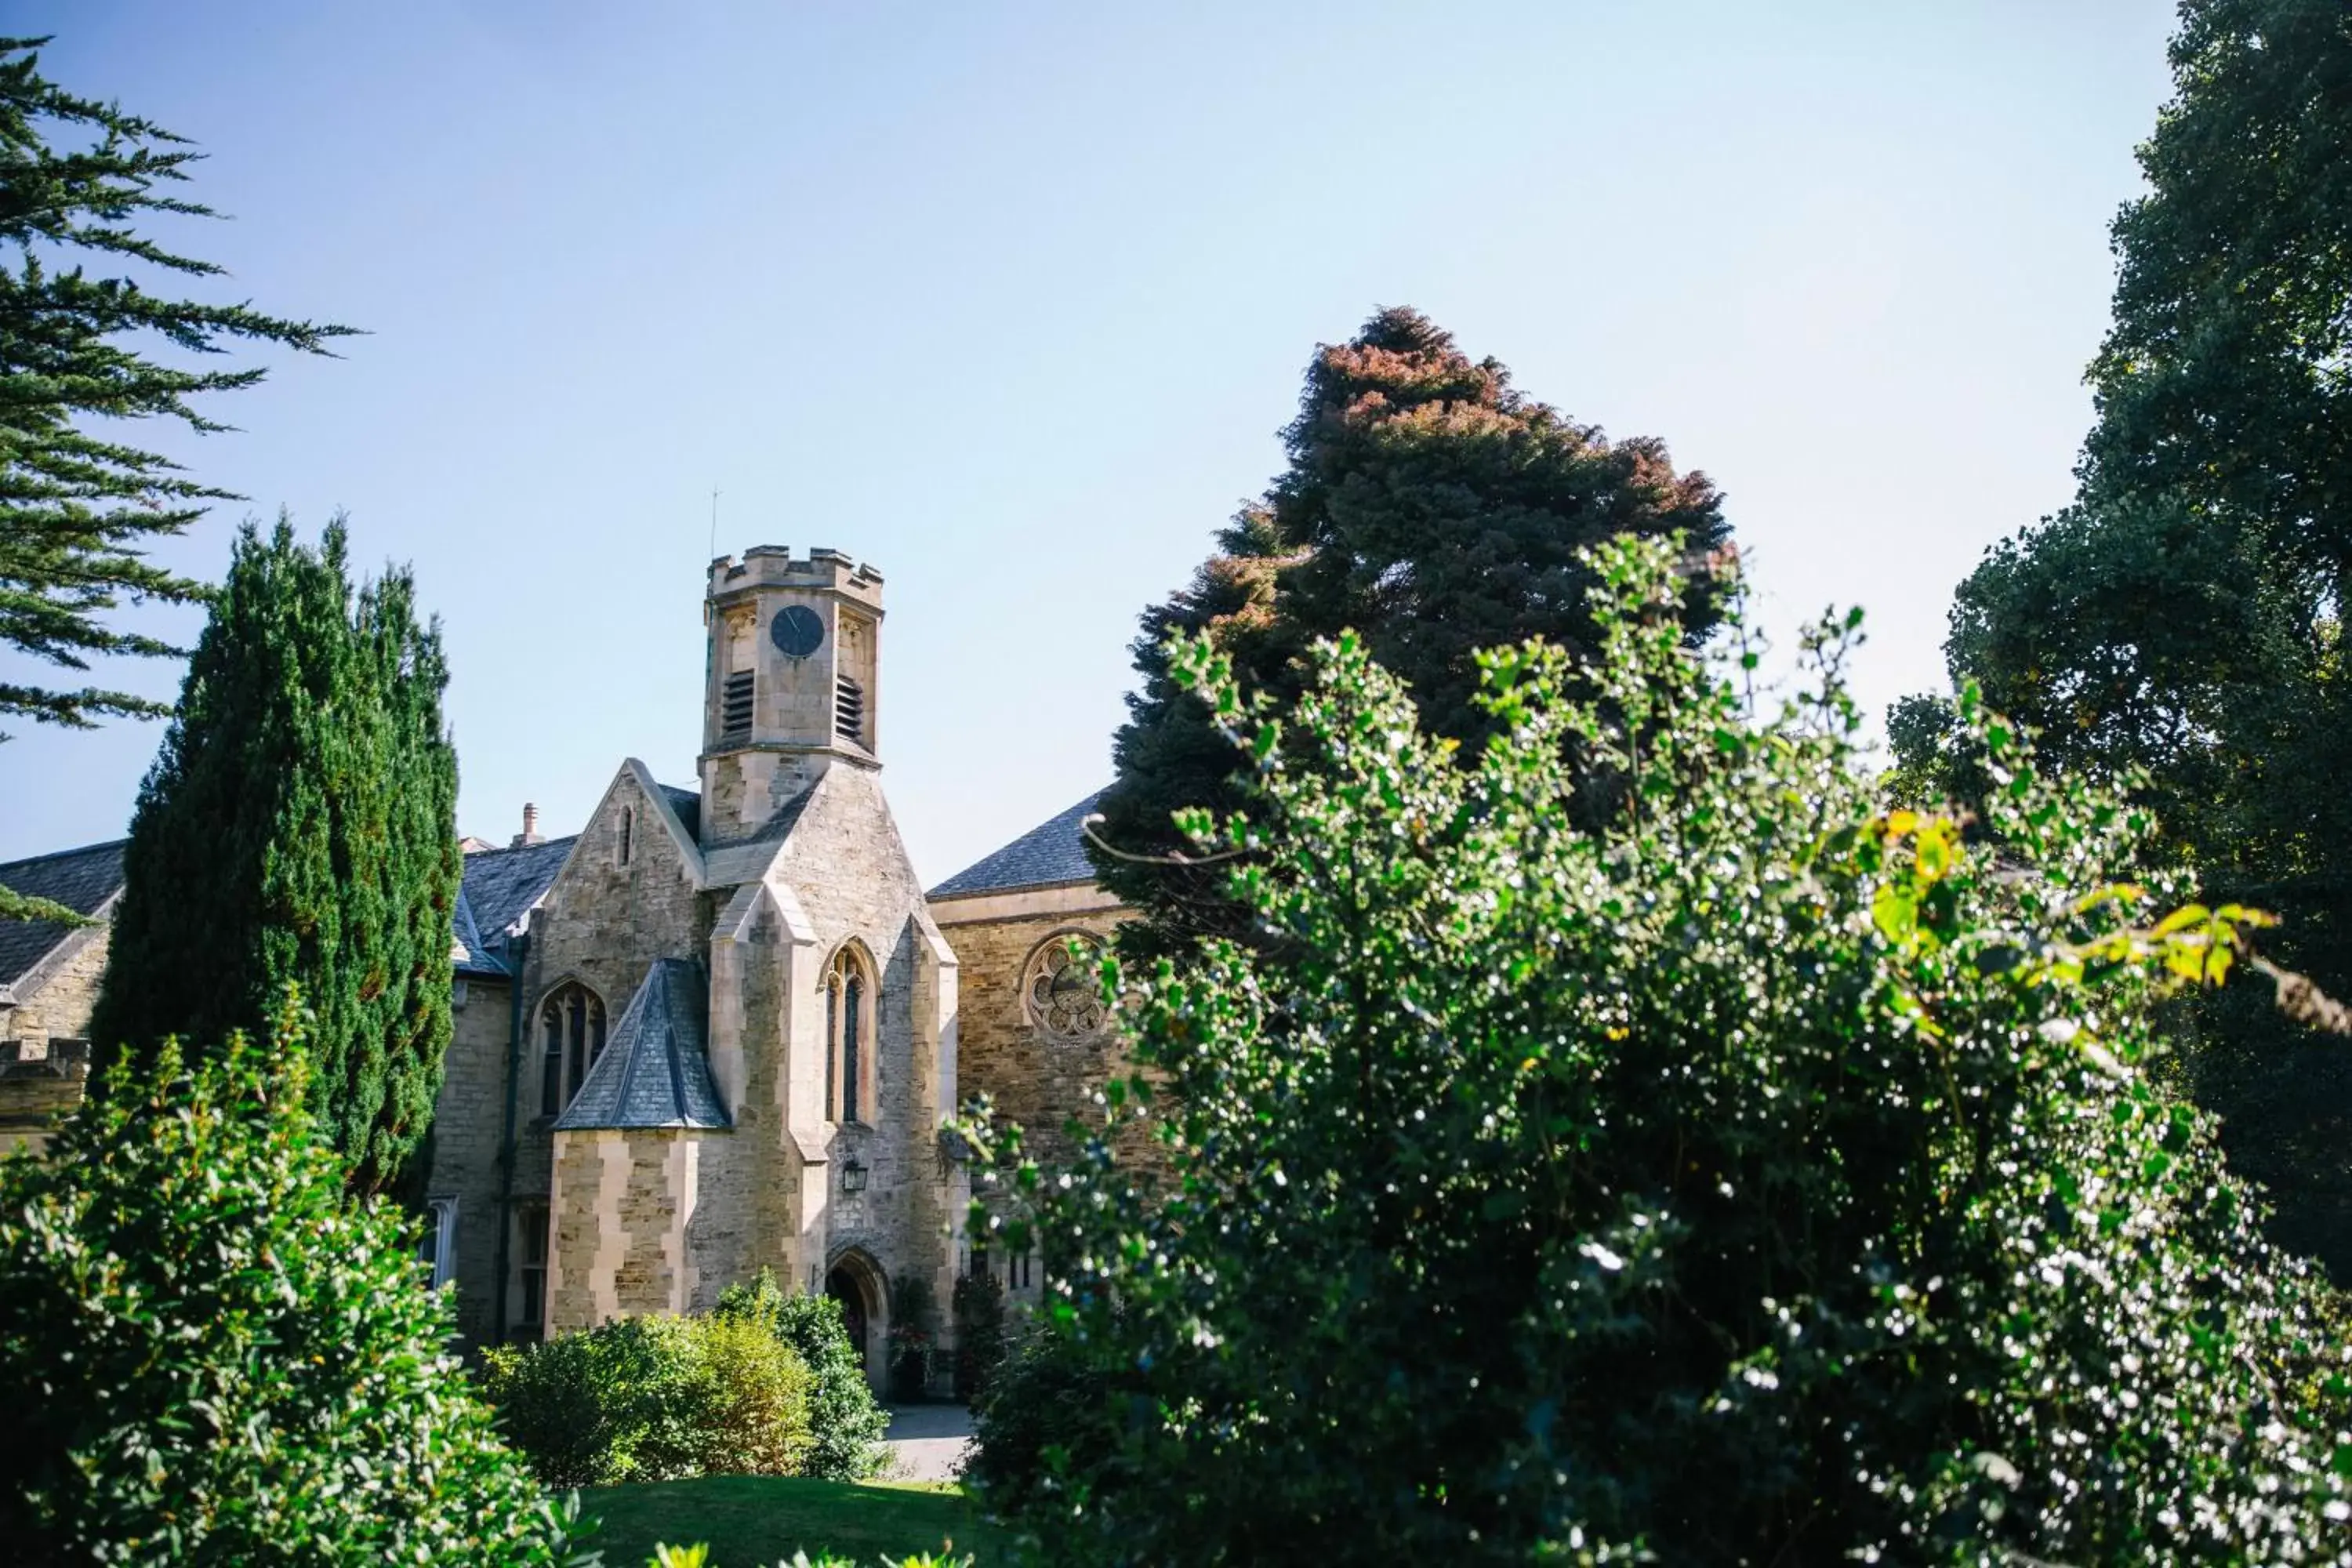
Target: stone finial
point(529, 834)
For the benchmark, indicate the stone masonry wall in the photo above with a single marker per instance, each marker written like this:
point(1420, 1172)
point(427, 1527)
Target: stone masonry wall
point(56, 1004)
point(603, 922)
point(54, 1001)
point(726, 1238)
point(39, 1090)
point(847, 864)
point(469, 1120)
point(1036, 1079)
point(621, 1199)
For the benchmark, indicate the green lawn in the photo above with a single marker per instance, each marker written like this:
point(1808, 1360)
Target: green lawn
point(753, 1521)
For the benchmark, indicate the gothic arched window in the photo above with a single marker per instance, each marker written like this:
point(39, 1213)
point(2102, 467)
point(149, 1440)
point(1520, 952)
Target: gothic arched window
point(571, 1037)
point(849, 1007)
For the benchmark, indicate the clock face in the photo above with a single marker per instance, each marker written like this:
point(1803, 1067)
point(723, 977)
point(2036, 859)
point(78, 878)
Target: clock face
point(796, 631)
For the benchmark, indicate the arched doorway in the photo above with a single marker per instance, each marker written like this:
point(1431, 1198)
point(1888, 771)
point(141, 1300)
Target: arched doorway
point(855, 1283)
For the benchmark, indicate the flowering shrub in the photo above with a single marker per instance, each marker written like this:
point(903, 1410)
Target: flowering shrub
point(1640, 1139)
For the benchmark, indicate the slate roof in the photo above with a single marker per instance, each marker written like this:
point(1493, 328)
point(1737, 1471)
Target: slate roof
point(500, 886)
point(82, 879)
point(1049, 853)
point(472, 953)
point(654, 1071)
point(687, 803)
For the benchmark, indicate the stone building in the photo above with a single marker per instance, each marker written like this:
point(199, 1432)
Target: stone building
point(718, 1029)
point(715, 1031)
point(48, 983)
point(1028, 924)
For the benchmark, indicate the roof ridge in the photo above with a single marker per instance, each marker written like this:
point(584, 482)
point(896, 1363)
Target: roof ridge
point(511, 848)
point(63, 854)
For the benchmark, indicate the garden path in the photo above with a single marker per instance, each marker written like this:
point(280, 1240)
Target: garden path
point(928, 1441)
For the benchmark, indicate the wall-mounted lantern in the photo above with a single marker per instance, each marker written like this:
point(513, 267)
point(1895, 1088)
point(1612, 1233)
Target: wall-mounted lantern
point(852, 1175)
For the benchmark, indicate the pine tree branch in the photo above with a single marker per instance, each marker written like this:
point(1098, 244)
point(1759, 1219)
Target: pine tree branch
point(76, 176)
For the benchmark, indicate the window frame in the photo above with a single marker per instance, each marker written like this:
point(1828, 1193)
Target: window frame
point(1038, 965)
point(852, 1007)
point(534, 1246)
point(573, 1026)
point(438, 1246)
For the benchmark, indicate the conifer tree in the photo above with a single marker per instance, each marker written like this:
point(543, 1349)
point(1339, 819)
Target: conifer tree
point(300, 824)
point(78, 508)
point(1428, 505)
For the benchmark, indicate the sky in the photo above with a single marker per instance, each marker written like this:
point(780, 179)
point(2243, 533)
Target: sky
point(1011, 300)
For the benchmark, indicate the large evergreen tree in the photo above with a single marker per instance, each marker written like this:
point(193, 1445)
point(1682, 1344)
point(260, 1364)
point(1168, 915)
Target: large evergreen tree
point(300, 824)
point(1429, 505)
point(2178, 630)
point(78, 506)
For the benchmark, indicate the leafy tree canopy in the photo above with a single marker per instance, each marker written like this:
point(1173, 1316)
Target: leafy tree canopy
point(300, 826)
point(2221, 383)
point(1747, 1172)
point(2178, 631)
point(1429, 504)
point(78, 506)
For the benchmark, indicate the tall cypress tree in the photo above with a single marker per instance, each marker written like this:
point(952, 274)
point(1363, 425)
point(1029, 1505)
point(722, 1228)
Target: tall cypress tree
point(1428, 505)
point(300, 824)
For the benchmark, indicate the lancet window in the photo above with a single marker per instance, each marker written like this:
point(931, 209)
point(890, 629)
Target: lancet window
point(849, 1008)
point(571, 1037)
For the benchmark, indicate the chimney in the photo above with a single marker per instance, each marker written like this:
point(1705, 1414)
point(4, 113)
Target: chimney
point(529, 834)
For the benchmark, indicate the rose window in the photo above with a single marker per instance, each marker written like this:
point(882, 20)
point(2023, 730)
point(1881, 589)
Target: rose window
point(1064, 990)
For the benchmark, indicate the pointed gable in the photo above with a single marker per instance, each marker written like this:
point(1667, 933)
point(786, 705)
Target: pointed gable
point(654, 1071)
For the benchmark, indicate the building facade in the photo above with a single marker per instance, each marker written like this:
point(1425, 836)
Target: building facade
point(719, 1029)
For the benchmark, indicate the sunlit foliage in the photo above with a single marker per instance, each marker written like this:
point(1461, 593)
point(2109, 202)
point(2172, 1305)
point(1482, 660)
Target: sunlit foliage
point(1751, 1175)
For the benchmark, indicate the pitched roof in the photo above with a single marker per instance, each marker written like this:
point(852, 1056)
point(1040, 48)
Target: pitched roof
point(82, 879)
point(499, 887)
point(687, 803)
point(466, 946)
point(1051, 852)
point(655, 1070)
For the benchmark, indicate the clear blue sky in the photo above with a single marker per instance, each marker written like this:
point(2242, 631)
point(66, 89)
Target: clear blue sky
point(1011, 300)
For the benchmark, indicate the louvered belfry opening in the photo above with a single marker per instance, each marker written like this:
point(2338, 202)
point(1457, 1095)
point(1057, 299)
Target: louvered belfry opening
point(848, 710)
point(735, 704)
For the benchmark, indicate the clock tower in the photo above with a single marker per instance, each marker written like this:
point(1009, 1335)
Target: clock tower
point(791, 685)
